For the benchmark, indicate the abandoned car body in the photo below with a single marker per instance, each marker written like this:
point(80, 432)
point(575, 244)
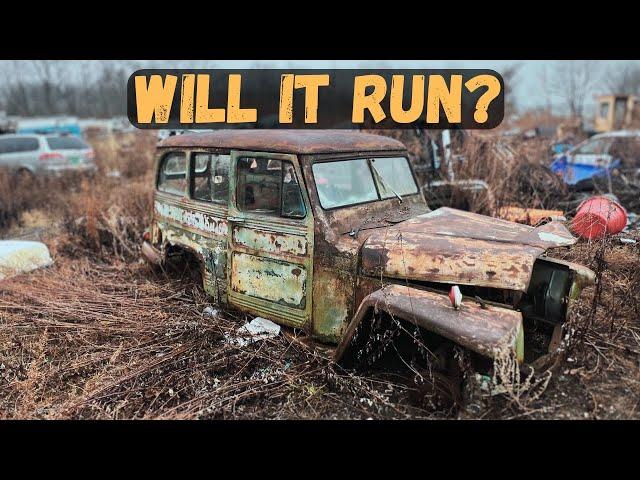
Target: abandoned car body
point(327, 230)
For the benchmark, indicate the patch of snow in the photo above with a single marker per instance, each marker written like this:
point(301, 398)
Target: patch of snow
point(19, 256)
point(553, 238)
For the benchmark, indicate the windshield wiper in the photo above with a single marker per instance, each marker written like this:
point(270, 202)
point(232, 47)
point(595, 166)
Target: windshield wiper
point(380, 180)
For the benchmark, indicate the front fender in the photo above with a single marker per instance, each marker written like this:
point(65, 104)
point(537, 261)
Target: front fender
point(487, 331)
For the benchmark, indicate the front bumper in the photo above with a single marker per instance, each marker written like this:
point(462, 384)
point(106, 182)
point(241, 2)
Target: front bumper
point(152, 254)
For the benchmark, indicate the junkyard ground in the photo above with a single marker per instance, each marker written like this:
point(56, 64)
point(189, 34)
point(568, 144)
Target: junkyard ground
point(102, 335)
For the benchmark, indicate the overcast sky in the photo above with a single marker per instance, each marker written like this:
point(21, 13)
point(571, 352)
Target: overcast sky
point(527, 88)
point(528, 82)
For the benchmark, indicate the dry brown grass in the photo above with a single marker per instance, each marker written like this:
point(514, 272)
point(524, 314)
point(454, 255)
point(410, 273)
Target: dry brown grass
point(101, 335)
point(515, 171)
point(105, 215)
point(94, 340)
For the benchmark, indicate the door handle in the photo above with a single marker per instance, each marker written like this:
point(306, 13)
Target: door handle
point(236, 219)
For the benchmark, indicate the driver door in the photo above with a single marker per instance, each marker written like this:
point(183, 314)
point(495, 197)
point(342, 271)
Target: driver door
point(270, 238)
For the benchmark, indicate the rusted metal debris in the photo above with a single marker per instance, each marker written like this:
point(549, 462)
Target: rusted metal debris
point(529, 216)
point(270, 248)
point(485, 331)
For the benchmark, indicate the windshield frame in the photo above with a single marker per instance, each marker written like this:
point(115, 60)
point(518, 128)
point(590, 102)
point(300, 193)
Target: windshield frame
point(366, 156)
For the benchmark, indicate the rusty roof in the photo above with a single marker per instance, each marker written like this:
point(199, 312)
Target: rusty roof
point(286, 141)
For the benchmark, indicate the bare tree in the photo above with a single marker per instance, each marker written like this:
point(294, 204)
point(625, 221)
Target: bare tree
point(546, 90)
point(509, 75)
point(624, 80)
point(573, 82)
point(51, 87)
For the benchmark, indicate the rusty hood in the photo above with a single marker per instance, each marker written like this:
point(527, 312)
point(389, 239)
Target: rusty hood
point(458, 247)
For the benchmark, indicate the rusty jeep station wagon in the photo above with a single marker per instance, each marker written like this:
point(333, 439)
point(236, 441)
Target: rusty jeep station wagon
point(329, 232)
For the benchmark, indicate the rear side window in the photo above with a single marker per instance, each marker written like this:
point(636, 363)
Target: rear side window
point(15, 145)
point(5, 145)
point(66, 143)
point(210, 178)
point(173, 174)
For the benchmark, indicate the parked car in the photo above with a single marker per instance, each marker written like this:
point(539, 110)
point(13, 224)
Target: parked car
point(599, 157)
point(45, 154)
point(328, 232)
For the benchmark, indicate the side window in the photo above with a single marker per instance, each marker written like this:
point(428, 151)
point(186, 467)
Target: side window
point(269, 186)
point(5, 145)
point(598, 146)
point(292, 202)
point(15, 145)
point(210, 177)
point(173, 174)
point(25, 144)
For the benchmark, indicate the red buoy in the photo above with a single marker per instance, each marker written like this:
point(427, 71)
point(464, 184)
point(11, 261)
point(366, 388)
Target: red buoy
point(597, 217)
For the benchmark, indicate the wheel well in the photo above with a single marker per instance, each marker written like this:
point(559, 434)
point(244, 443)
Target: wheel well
point(22, 174)
point(183, 260)
point(382, 339)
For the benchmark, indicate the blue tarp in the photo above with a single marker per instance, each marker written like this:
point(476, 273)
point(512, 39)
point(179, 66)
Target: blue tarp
point(572, 173)
point(49, 126)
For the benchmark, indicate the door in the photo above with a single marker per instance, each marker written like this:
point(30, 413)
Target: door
point(19, 152)
point(270, 238)
point(590, 159)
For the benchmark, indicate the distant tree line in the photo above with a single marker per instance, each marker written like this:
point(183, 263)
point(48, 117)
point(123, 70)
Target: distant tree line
point(575, 83)
point(95, 88)
point(91, 89)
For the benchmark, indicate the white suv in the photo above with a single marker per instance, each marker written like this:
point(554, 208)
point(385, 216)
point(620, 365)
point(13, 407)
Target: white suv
point(45, 154)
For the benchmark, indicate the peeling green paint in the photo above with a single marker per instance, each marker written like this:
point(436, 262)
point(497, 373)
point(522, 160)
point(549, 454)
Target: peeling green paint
point(270, 242)
point(269, 279)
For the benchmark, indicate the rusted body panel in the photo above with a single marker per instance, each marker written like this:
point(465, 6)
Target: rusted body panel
point(270, 242)
point(200, 229)
point(280, 282)
point(339, 235)
point(286, 141)
point(333, 290)
point(456, 247)
point(190, 219)
point(487, 331)
point(458, 223)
